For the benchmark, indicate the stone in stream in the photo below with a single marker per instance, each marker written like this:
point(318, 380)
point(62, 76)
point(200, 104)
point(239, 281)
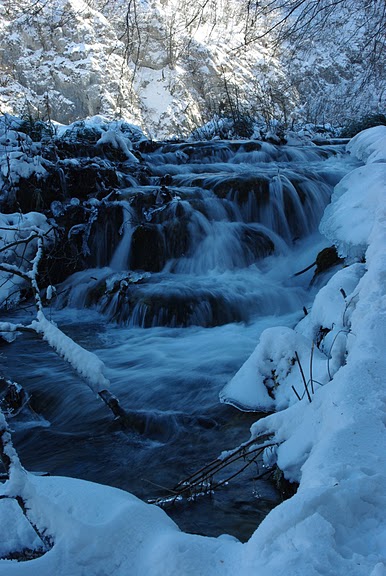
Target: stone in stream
point(147, 248)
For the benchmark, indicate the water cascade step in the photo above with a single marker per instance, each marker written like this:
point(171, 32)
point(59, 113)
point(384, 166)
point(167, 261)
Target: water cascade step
point(196, 233)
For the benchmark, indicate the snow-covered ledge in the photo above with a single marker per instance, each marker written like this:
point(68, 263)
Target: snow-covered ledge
point(334, 446)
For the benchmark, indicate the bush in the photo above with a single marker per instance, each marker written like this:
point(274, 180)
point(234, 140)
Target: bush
point(353, 127)
point(37, 130)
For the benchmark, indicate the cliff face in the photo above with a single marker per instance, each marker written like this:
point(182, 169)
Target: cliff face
point(63, 61)
point(170, 66)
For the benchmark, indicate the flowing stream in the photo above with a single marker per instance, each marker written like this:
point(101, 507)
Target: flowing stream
point(204, 262)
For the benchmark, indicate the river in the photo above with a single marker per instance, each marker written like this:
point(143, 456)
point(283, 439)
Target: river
point(204, 262)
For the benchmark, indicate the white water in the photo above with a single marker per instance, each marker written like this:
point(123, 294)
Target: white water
point(121, 255)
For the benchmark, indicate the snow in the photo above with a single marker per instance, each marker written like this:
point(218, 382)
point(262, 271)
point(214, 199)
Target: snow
point(356, 200)
point(369, 145)
point(266, 379)
point(19, 534)
point(87, 520)
point(8, 331)
point(116, 141)
point(86, 363)
point(116, 132)
point(50, 292)
point(22, 228)
point(174, 65)
point(334, 446)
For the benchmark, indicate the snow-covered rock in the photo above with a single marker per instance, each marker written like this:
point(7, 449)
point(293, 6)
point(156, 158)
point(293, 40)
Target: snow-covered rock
point(171, 66)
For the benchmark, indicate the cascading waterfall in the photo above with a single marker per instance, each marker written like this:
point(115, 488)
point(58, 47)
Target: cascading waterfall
point(197, 261)
point(121, 255)
point(202, 227)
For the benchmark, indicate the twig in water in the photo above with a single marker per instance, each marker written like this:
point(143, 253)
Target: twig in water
point(203, 482)
point(159, 486)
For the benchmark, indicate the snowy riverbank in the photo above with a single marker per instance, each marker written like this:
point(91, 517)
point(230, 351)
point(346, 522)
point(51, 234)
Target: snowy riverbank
point(333, 446)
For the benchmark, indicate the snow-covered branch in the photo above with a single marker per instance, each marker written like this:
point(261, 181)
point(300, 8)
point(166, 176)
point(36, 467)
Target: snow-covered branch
point(85, 363)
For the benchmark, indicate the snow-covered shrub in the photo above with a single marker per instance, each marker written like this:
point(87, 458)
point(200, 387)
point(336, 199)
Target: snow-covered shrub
point(355, 126)
point(266, 381)
point(19, 238)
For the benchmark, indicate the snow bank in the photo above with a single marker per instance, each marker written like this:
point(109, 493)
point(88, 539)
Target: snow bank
point(102, 530)
point(348, 221)
point(118, 133)
point(19, 534)
point(370, 145)
point(334, 445)
point(271, 378)
point(266, 381)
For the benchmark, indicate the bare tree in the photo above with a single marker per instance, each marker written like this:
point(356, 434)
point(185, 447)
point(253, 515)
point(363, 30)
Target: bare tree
point(298, 20)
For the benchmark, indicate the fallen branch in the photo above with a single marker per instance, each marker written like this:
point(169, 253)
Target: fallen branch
point(202, 481)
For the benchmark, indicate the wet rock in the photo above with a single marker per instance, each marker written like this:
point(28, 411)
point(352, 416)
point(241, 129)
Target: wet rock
point(90, 178)
point(327, 258)
point(177, 238)
point(176, 309)
point(286, 488)
point(258, 244)
point(148, 146)
point(242, 189)
point(13, 398)
point(166, 180)
point(147, 248)
point(250, 146)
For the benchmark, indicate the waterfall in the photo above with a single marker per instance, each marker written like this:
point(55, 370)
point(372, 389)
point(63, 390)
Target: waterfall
point(194, 236)
point(121, 254)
